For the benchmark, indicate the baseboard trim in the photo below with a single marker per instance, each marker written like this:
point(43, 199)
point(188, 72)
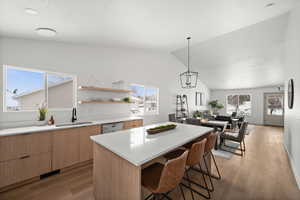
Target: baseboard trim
point(296, 175)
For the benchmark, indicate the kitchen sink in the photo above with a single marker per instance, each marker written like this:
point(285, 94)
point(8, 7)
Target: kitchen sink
point(72, 124)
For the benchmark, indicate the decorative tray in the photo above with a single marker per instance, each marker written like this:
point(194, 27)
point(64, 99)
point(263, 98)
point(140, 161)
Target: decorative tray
point(160, 129)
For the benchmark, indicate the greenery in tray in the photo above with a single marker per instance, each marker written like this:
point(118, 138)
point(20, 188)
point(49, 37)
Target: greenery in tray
point(162, 127)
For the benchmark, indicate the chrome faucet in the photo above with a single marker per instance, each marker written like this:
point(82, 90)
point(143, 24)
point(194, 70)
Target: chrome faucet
point(74, 115)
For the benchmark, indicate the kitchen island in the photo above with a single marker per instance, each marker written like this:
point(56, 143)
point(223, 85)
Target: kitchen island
point(120, 156)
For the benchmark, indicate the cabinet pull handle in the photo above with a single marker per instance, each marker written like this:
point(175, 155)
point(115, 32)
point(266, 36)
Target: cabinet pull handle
point(25, 156)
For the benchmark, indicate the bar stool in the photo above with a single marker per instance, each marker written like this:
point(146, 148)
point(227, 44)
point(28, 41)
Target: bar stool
point(161, 179)
point(211, 140)
point(195, 156)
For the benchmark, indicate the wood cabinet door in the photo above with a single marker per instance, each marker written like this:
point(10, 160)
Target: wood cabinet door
point(86, 144)
point(14, 147)
point(65, 148)
point(24, 168)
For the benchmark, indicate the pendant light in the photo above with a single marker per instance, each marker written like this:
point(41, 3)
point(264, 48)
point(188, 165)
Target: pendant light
point(189, 78)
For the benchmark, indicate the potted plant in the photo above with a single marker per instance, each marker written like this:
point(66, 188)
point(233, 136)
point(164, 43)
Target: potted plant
point(126, 99)
point(198, 114)
point(42, 114)
point(215, 106)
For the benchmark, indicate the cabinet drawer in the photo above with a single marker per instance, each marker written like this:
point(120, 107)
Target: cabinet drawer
point(133, 124)
point(137, 123)
point(21, 169)
point(14, 147)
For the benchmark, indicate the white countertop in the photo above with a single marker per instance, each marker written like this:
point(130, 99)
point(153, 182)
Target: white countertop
point(32, 129)
point(136, 146)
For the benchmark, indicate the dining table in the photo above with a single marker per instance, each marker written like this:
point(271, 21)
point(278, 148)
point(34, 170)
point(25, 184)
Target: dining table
point(119, 157)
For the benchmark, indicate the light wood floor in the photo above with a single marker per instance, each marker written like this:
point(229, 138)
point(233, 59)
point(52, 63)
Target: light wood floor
point(263, 173)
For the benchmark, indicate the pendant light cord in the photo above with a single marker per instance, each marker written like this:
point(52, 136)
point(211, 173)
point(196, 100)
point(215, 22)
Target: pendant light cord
point(188, 53)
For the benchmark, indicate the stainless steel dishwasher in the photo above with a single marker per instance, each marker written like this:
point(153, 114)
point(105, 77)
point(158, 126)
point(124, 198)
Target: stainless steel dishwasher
point(112, 127)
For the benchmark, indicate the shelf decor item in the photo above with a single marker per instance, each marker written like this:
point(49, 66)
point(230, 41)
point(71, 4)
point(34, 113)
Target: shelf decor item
point(160, 129)
point(189, 78)
point(291, 94)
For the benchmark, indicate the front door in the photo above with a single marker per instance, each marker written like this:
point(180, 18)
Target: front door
point(273, 108)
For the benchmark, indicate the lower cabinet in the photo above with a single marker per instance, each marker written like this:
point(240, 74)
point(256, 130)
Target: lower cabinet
point(71, 146)
point(86, 144)
point(65, 148)
point(24, 168)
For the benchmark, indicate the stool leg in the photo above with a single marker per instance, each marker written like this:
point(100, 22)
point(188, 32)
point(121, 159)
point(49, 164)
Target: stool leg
point(212, 155)
point(207, 189)
point(182, 193)
point(209, 175)
point(150, 195)
point(190, 185)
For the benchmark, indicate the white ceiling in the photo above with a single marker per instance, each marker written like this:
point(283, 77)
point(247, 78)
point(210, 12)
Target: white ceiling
point(246, 58)
point(151, 24)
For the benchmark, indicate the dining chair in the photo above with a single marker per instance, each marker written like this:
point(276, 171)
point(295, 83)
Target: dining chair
point(194, 159)
point(235, 137)
point(161, 179)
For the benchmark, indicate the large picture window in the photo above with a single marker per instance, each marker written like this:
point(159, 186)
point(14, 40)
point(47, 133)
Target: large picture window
point(145, 100)
point(240, 104)
point(27, 89)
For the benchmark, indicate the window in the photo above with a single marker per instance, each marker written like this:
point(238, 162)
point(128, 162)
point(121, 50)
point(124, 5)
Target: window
point(60, 86)
point(27, 90)
point(145, 100)
point(239, 103)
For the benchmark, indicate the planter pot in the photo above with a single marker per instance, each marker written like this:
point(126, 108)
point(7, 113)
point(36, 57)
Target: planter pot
point(41, 123)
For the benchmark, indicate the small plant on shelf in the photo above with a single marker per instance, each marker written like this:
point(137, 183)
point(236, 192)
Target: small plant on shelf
point(126, 99)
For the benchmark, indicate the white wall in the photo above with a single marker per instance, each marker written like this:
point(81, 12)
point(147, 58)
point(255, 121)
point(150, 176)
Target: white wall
point(95, 65)
point(292, 70)
point(257, 98)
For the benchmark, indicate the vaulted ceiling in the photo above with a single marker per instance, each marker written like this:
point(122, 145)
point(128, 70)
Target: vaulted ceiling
point(154, 24)
point(246, 58)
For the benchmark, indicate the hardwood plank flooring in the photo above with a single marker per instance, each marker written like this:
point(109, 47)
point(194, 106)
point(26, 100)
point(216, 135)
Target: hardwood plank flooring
point(263, 174)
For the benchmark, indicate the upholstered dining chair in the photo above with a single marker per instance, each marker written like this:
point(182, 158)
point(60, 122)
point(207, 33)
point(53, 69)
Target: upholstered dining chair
point(194, 159)
point(161, 179)
point(235, 137)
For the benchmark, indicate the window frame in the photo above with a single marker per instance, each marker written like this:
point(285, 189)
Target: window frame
point(74, 77)
point(147, 113)
point(249, 115)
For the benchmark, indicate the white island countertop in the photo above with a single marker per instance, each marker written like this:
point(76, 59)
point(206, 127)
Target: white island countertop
point(33, 129)
point(138, 147)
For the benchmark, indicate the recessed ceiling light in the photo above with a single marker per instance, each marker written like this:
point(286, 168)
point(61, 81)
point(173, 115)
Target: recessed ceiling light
point(31, 11)
point(270, 4)
point(46, 32)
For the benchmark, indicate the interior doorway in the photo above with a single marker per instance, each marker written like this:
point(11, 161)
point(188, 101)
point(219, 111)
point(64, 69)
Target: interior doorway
point(274, 109)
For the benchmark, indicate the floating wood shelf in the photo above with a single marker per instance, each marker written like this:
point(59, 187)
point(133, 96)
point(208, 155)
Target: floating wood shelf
point(103, 89)
point(102, 102)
